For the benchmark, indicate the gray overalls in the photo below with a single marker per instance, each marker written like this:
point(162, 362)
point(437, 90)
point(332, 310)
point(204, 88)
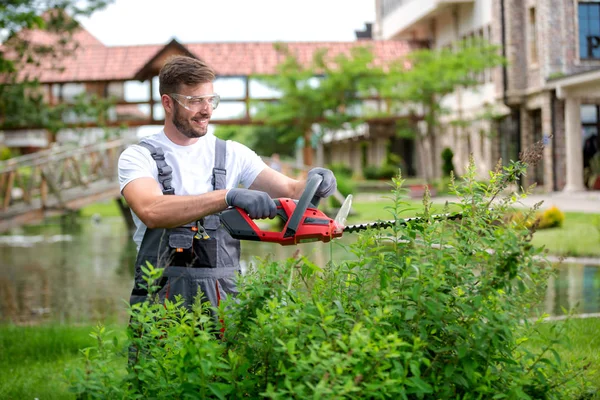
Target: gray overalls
point(191, 263)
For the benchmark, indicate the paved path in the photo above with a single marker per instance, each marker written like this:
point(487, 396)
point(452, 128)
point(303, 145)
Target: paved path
point(588, 202)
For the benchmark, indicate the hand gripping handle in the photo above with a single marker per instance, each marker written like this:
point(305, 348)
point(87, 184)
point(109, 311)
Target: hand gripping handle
point(308, 197)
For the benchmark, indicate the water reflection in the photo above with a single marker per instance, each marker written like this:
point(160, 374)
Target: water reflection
point(575, 287)
point(83, 271)
point(75, 274)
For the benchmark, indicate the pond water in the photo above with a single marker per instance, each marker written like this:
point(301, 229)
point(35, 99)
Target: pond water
point(82, 271)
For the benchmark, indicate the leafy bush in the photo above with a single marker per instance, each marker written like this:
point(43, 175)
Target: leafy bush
point(434, 309)
point(371, 172)
point(340, 169)
point(345, 184)
point(385, 171)
point(447, 164)
point(551, 218)
point(6, 153)
point(442, 185)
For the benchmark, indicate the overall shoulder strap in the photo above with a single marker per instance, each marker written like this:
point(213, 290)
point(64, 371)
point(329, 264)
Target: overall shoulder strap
point(164, 170)
point(219, 179)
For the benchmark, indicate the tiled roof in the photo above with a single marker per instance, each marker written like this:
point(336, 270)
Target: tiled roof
point(95, 62)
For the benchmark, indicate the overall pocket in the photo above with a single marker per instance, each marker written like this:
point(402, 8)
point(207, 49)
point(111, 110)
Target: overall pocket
point(181, 242)
point(188, 251)
point(206, 253)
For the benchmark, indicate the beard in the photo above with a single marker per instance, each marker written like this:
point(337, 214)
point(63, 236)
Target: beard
point(185, 128)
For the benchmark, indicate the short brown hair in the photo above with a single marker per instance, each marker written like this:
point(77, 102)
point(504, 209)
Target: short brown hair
point(185, 70)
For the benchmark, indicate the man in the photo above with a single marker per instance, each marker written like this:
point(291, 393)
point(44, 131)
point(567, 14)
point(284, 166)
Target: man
point(177, 180)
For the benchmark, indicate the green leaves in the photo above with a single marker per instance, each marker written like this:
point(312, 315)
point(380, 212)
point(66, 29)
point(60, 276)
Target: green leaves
point(23, 101)
point(407, 318)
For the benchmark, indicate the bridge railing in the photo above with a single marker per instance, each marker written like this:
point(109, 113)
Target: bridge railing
point(66, 178)
point(43, 177)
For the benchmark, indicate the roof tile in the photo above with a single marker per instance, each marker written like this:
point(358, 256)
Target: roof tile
point(93, 61)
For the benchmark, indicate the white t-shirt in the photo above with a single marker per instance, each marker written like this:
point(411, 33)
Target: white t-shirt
point(192, 167)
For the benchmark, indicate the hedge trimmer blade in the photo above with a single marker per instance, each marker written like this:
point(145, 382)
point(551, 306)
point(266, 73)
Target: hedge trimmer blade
point(390, 223)
point(342, 214)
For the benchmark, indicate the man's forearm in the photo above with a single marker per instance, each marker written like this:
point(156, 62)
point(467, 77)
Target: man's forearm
point(172, 211)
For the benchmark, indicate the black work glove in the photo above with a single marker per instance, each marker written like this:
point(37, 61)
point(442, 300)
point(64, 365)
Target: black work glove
point(328, 185)
point(256, 203)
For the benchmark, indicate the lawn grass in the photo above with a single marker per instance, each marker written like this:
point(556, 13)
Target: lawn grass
point(581, 345)
point(102, 209)
point(578, 237)
point(34, 359)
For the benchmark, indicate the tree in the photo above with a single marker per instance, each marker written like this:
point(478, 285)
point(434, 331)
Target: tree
point(266, 139)
point(23, 51)
point(323, 92)
point(425, 76)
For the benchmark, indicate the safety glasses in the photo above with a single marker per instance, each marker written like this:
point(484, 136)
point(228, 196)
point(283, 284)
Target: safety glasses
point(196, 103)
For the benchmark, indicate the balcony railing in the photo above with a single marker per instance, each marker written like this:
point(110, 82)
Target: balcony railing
point(389, 6)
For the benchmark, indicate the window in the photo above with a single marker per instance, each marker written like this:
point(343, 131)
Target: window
point(589, 30)
point(532, 39)
point(590, 123)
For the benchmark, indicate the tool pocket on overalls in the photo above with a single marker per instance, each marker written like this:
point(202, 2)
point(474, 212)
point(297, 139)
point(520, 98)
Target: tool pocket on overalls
point(181, 242)
point(206, 249)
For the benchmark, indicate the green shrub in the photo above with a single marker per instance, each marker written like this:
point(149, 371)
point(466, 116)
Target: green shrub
point(341, 169)
point(442, 185)
point(345, 184)
point(385, 171)
point(447, 164)
point(371, 172)
point(551, 218)
point(434, 309)
point(5, 153)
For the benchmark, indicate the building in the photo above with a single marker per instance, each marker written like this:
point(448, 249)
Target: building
point(548, 93)
point(128, 74)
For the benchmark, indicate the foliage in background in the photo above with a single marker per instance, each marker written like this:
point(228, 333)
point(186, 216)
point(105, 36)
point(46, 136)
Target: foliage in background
point(423, 77)
point(552, 217)
point(434, 309)
point(447, 164)
point(346, 185)
point(383, 172)
point(22, 102)
point(388, 169)
point(265, 140)
point(323, 92)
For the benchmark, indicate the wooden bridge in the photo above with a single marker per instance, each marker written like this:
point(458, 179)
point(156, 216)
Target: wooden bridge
point(64, 179)
point(58, 181)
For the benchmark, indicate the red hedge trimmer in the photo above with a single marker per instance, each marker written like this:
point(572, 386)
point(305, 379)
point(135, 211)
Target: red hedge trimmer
point(303, 222)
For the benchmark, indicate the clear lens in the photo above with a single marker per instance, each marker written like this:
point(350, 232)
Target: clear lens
point(197, 103)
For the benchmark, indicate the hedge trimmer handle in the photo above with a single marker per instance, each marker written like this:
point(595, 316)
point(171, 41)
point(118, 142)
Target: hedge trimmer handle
point(309, 194)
